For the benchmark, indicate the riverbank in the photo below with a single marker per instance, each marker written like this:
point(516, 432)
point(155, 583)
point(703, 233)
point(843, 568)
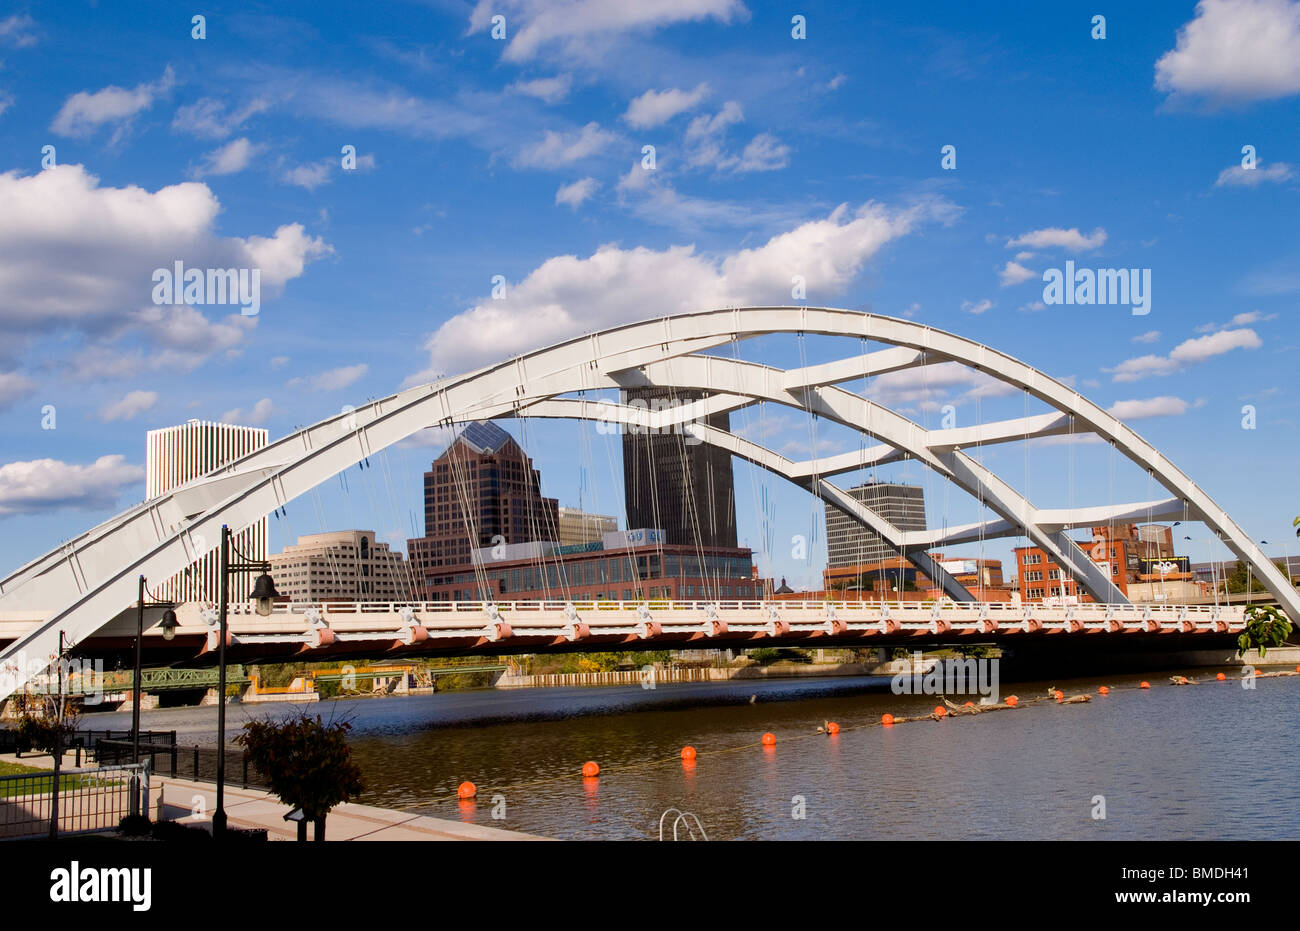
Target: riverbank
point(192, 803)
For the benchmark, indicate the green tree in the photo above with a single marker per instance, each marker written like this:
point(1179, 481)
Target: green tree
point(307, 761)
point(1266, 626)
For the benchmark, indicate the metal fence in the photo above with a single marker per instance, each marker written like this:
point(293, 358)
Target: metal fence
point(88, 800)
point(197, 763)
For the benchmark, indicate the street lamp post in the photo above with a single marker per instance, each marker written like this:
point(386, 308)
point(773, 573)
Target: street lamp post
point(169, 628)
point(264, 595)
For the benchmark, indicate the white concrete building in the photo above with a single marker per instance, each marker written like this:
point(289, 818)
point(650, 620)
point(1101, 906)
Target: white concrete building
point(344, 564)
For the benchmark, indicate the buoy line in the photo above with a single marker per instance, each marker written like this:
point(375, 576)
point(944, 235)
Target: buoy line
point(467, 791)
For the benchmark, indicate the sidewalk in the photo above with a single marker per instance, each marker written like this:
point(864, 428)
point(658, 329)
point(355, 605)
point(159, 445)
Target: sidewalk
point(255, 808)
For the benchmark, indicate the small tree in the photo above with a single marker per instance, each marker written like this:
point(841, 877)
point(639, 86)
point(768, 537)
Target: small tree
point(48, 729)
point(1266, 626)
point(307, 761)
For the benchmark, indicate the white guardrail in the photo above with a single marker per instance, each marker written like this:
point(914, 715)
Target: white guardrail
point(326, 623)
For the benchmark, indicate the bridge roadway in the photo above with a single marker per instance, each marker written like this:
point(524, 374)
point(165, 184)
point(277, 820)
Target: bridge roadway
point(302, 631)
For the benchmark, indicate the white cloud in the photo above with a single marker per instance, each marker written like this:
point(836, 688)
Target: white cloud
point(48, 484)
point(61, 219)
point(1055, 237)
point(1137, 409)
point(334, 379)
point(84, 112)
point(1014, 273)
point(14, 386)
point(764, 153)
point(574, 194)
point(6, 101)
point(208, 119)
point(230, 158)
point(135, 402)
point(559, 149)
point(1240, 176)
point(18, 30)
point(311, 175)
point(654, 108)
point(1188, 352)
point(836, 82)
point(1252, 316)
point(262, 411)
point(550, 90)
point(576, 28)
point(976, 308)
point(1150, 336)
point(1236, 50)
point(567, 295)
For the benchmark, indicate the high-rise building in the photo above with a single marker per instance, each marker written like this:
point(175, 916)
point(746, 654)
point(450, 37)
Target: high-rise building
point(176, 455)
point(348, 565)
point(849, 543)
point(674, 483)
point(482, 492)
point(578, 527)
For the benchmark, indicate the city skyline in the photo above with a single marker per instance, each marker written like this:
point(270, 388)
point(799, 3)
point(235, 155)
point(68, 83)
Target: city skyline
point(820, 157)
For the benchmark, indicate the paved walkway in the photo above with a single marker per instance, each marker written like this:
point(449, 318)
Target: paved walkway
point(177, 799)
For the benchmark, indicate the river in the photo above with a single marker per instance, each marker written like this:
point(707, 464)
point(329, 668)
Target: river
point(1208, 761)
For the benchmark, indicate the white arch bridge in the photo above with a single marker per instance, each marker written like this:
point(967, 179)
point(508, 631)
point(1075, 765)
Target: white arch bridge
point(85, 589)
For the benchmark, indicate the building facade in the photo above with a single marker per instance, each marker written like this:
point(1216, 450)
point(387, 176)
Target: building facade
point(849, 543)
point(346, 565)
point(1137, 559)
point(180, 454)
point(629, 566)
point(576, 527)
point(678, 484)
point(482, 492)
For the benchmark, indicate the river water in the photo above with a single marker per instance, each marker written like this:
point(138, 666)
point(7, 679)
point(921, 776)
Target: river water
point(1208, 761)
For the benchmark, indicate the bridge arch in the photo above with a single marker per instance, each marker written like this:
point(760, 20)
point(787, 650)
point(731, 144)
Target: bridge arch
point(161, 536)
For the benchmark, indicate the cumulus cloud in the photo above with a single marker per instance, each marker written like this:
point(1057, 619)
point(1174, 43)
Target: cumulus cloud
point(557, 149)
point(972, 307)
point(1150, 336)
point(261, 412)
point(550, 90)
point(1136, 409)
point(61, 220)
point(18, 30)
point(230, 158)
point(930, 386)
point(85, 112)
point(50, 484)
point(1188, 352)
point(1014, 273)
point(1235, 50)
point(654, 108)
point(567, 295)
point(1055, 237)
point(310, 176)
point(334, 379)
point(1241, 176)
point(580, 28)
point(135, 402)
point(574, 194)
point(209, 119)
point(14, 386)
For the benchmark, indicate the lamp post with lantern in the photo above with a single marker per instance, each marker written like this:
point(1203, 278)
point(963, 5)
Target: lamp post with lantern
point(263, 597)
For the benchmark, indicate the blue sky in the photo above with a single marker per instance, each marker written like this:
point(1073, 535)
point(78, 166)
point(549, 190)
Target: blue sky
point(521, 157)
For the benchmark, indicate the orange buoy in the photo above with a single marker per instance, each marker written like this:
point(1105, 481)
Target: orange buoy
point(1258, 672)
point(832, 728)
point(1222, 677)
point(940, 710)
point(1060, 696)
point(887, 720)
point(688, 753)
point(769, 740)
point(1297, 669)
point(1012, 701)
point(1104, 690)
point(970, 704)
point(590, 769)
point(466, 790)
point(1144, 685)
